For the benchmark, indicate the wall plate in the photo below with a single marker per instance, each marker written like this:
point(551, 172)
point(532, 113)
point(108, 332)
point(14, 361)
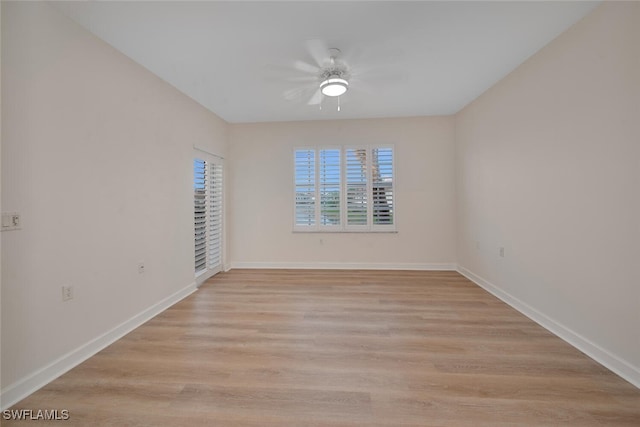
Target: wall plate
point(11, 221)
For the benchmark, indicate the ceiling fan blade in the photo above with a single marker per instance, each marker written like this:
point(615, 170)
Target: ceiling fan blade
point(306, 67)
point(288, 74)
point(301, 79)
point(318, 51)
point(292, 94)
point(298, 93)
point(287, 80)
point(316, 98)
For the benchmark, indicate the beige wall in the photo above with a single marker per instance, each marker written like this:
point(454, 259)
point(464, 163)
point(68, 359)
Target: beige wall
point(97, 152)
point(548, 166)
point(0, 199)
point(97, 157)
point(261, 176)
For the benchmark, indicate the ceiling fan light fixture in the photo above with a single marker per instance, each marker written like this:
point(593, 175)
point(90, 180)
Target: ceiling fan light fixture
point(334, 86)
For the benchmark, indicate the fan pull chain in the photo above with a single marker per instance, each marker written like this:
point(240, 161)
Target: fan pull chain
point(338, 103)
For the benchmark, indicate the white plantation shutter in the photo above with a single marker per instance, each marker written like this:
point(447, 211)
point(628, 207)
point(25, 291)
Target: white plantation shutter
point(329, 183)
point(305, 187)
point(200, 214)
point(215, 216)
point(350, 189)
point(382, 185)
point(356, 186)
point(208, 209)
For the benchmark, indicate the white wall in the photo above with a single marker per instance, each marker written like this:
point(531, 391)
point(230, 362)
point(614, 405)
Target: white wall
point(97, 157)
point(548, 166)
point(261, 201)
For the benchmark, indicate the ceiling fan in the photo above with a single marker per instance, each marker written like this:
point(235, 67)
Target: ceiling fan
point(334, 77)
point(330, 76)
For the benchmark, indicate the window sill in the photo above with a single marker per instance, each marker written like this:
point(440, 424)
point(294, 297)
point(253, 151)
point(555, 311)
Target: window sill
point(344, 231)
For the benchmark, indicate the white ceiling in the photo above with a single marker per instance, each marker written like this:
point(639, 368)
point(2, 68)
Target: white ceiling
point(408, 58)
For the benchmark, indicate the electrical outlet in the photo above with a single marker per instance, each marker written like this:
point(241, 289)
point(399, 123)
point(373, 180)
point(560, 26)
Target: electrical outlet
point(141, 267)
point(67, 293)
point(11, 221)
point(501, 251)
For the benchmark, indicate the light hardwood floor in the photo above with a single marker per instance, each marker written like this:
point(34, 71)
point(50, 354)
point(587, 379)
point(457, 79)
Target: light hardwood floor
point(340, 348)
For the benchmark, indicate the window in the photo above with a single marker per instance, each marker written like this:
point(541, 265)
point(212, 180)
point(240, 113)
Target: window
point(344, 189)
point(207, 180)
point(329, 182)
point(305, 164)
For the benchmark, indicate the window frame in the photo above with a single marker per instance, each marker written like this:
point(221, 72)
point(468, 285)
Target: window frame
point(344, 227)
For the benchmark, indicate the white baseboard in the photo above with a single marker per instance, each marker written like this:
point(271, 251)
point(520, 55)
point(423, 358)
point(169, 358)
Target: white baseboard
point(612, 362)
point(17, 391)
point(343, 266)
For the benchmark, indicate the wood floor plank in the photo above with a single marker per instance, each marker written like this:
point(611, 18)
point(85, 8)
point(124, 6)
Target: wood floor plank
point(329, 348)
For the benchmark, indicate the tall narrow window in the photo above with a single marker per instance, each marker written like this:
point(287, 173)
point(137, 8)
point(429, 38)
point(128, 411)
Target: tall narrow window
point(200, 213)
point(348, 189)
point(305, 165)
point(356, 183)
point(208, 208)
point(330, 187)
point(382, 185)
